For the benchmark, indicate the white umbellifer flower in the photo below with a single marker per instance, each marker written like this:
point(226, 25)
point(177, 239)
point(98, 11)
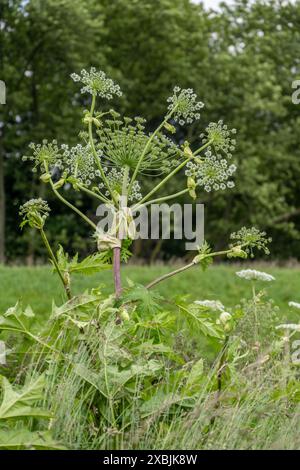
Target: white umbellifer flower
point(294, 304)
point(211, 173)
point(97, 83)
point(80, 163)
point(220, 137)
point(288, 326)
point(212, 304)
point(253, 275)
point(185, 105)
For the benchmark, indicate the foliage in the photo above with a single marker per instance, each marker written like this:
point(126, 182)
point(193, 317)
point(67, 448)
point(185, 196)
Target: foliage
point(17, 405)
point(226, 57)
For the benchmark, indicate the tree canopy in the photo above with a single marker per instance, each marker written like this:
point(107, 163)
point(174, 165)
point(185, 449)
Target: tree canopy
point(241, 61)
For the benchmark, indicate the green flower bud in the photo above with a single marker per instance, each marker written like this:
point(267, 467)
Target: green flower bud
point(59, 183)
point(187, 150)
point(45, 177)
point(124, 315)
point(237, 252)
point(170, 128)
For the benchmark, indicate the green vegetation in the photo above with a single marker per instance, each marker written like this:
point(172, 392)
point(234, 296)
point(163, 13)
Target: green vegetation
point(104, 354)
point(241, 62)
point(37, 286)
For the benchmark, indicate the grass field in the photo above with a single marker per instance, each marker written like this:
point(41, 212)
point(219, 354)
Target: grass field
point(37, 286)
point(186, 403)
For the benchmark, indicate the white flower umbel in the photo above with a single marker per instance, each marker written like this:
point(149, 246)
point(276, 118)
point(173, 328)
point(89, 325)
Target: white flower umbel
point(185, 105)
point(79, 162)
point(97, 83)
point(220, 137)
point(294, 304)
point(253, 275)
point(211, 173)
point(211, 304)
point(288, 326)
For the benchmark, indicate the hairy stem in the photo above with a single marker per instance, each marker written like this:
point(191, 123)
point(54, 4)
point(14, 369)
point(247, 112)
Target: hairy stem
point(53, 258)
point(171, 274)
point(117, 270)
point(184, 268)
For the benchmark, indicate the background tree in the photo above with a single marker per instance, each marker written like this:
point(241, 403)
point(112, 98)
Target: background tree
point(241, 61)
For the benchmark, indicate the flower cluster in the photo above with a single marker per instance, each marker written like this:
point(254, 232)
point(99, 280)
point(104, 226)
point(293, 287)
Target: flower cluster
point(44, 155)
point(253, 275)
point(115, 178)
point(211, 173)
point(34, 212)
point(250, 238)
point(122, 143)
point(288, 326)
point(97, 83)
point(185, 105)
point(220, 137)
point(79, 162)
point(294, 304)
point(211, 304)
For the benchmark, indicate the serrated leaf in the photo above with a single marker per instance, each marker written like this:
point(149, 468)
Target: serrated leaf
point(207, 327)
point(17, 404)
point(77, 303)
point(90, 265)
point(16, 319)
point(148, 299)
point(194, 378)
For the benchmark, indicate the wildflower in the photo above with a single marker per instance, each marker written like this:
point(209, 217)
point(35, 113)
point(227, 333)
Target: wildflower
point(34, 212)
point(211, 304)
point(250, 238)
point(211, 173)
point(294, 304)
point(253, 275)
point(288, 326)
point(185, 105)
point(220, 137)
point(79, 162)
point(96, 83)
point(44, 155)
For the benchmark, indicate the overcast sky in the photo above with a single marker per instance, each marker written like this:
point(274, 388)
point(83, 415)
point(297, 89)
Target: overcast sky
point(211, 3)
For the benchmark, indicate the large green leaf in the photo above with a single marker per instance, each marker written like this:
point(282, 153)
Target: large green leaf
point(143, 296)
point(16, 319)
point(24, 439)
point(203, 322)
point(195, 377)
point(81, 303)
point(17, 404)
point(90, 265)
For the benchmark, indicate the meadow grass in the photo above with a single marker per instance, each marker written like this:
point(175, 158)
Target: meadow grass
point(38, 286)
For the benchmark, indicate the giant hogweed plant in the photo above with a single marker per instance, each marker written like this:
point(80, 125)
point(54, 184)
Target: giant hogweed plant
point(118, 362)
point(108, 163)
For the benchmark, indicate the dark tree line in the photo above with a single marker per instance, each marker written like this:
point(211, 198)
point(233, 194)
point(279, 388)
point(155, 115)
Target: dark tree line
point(241, 62)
